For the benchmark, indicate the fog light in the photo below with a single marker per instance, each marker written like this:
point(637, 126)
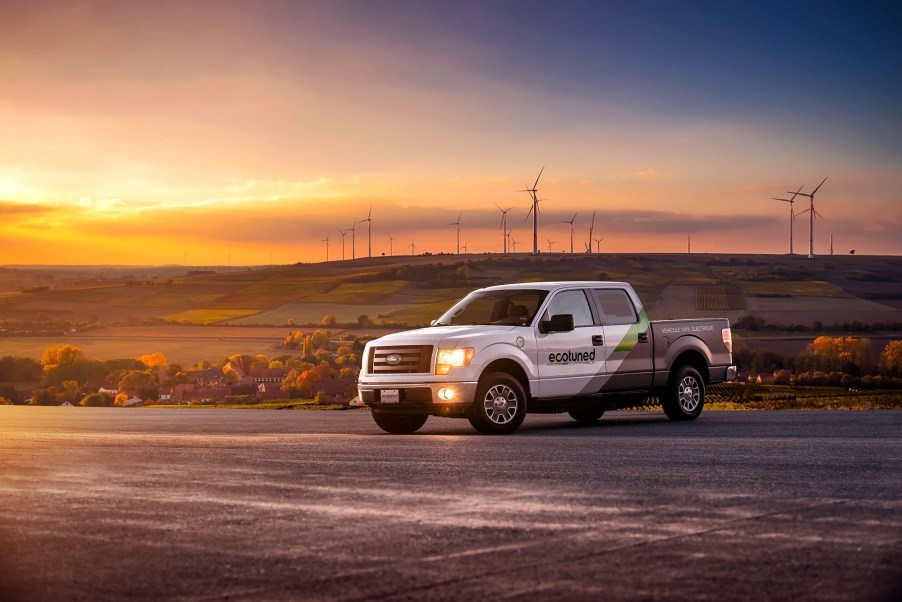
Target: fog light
point(445, 394)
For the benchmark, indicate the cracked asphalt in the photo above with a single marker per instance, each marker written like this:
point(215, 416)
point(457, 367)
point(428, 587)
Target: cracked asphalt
point(146, 504)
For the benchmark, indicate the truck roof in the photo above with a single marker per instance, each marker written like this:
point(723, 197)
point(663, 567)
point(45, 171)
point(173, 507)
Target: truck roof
point(552, 286)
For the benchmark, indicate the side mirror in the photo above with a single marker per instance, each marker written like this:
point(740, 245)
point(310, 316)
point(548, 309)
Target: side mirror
point(557, 323)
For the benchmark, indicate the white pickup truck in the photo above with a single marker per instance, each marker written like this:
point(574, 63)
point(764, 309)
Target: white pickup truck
point(543, 347)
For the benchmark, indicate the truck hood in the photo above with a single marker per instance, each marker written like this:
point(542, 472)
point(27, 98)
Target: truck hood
point(446, 336)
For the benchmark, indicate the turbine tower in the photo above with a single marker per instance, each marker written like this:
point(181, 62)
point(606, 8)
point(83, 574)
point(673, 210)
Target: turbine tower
point(413, 248)
point(570, 221)
point(550, 242)
point(514, 245)
point(457, 223)
point(792, 215)
point(369, 231)
point(591, 231)
point(598, 244)
point(391, 240)
point(503, 227)
point(342, 232)
point(353, 230)
point(325, 240)
point(464, 247)
point(535, 212)
point(811, 215)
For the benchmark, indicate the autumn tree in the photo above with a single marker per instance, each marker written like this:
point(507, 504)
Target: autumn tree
point(328, 320)
point(891, 358)
point(70, 392)
point(133, 380)
point(834, 354)
point(60, 354)
point(305, 381)
point(19, 369)
point(242, 361)
point(154, 361)
point(96, 400)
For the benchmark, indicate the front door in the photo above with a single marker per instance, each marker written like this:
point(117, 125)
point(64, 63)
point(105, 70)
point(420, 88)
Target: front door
point(570, 362)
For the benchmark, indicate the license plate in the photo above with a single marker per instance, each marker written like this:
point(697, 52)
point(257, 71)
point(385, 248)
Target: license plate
point(389, 396)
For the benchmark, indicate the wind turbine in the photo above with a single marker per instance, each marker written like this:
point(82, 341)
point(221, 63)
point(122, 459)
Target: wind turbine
point(811, 215)
point(325, 240)
point(464, 247)
point(570, 221)
point(591, 230)
point(457, 223)
point(550, 242)
point(598, 244)
point(413, 248)
point(503, 227)
point(792, 215)
point(535, 212)
point(514, 245)
point(369, 231)
point(342, 232)
point(391, 240)
point(353, 230)
point(507, 238)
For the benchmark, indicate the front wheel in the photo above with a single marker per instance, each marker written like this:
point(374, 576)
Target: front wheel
point(500, 404)
point(399, 424)
point(684, 397)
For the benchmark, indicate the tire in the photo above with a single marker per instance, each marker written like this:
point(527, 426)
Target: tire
point(500, 404)
point(399, 424)
point(684, 397)
point(586, 415)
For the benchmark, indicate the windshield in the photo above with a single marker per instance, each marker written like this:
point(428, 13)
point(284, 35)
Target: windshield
point(511, 307)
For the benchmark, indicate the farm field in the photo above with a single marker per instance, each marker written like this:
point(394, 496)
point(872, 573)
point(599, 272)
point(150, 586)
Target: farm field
point(415, 290)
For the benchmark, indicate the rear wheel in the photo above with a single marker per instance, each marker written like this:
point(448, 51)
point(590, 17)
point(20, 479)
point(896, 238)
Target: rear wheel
point(399, 424)
point(586, 415)
point(500, 404)
point(684, 397)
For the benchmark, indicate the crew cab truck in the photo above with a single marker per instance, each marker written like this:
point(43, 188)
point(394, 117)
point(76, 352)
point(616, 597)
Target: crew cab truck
point(543, 347)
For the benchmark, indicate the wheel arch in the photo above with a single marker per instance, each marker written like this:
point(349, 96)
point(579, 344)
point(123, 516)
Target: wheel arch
point(690, 357)
point(511, 367)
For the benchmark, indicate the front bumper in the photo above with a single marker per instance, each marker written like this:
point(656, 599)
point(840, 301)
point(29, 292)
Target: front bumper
point(418, 397)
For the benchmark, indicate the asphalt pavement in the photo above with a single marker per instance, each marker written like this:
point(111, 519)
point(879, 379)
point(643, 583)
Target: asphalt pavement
point(148, 504)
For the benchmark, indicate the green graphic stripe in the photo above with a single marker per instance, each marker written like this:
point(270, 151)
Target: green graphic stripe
point(631, 338)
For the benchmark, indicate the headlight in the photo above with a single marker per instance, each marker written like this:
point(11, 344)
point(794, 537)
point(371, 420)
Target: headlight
point(452, 358)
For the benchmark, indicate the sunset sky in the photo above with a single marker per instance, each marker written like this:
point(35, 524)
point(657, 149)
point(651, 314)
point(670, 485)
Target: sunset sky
point(148, 133)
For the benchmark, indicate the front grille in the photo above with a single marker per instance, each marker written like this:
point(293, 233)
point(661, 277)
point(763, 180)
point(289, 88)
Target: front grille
point(414, 359)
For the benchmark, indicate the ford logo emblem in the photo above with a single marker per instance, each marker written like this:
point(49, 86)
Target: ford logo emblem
point(393, 360)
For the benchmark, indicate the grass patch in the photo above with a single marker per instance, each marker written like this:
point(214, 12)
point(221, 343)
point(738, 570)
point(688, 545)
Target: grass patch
point(359, 292)
point(738, 396)
point(798, 288)
point(209, 316)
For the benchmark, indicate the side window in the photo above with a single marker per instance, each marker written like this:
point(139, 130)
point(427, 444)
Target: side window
point(574, 303)
point(616, 306)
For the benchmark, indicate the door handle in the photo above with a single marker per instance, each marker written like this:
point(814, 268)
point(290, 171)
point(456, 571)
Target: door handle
point(597, 340)
point(643, 337)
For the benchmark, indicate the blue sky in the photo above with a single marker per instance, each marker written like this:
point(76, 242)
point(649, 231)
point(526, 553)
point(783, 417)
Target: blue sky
point(278, 123)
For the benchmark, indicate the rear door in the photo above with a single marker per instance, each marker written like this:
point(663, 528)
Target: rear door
point(569, 361)
point(627, 340)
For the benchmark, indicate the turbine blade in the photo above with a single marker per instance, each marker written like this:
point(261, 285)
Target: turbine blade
point(818, 186)
point(537, 179)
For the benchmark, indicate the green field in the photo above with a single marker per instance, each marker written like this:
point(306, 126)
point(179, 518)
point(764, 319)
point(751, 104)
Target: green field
point(209, 316)
point(181, 350)
point(807, 288)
